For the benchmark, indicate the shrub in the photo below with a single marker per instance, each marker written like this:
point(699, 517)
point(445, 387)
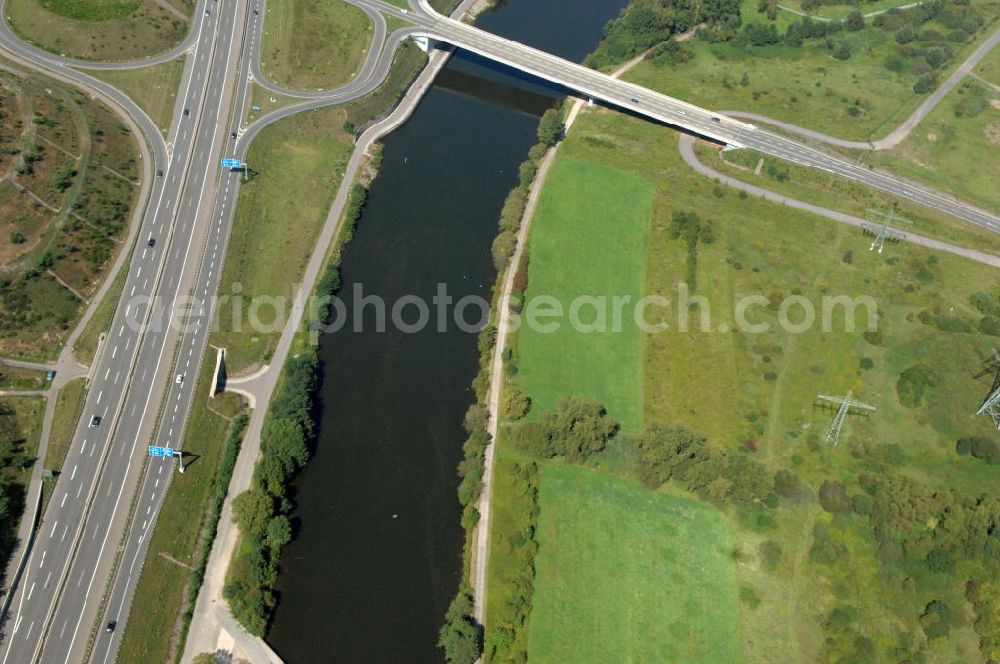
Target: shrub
point(515, 403)
point(913, 384)
point(833, 497)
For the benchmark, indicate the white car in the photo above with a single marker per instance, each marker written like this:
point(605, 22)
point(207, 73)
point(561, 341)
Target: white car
point(179, 379)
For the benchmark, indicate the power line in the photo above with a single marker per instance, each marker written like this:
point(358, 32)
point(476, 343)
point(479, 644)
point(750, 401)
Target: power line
point(881, 227)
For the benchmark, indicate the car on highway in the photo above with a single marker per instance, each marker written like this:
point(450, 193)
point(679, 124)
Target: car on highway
point(151, 242)
point(94, 421)
point(634, 100)
point(110, 627)
point(232, 135)
point(682, 112)
point(187, 112)
point(714, 119)
point(180, 379)
point(159, 173)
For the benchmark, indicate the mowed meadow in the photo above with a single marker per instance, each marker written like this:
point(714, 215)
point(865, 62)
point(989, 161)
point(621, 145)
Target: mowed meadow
point(806, 575)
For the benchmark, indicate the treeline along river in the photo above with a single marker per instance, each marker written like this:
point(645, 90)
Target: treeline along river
point(378, 550)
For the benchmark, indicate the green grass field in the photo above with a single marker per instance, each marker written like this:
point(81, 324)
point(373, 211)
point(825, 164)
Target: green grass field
point(588, 238)
point(628, 575)
point(154, 89)
point(111, 30)
point(277, 219)
point(858, 99)
point(950, 148)
point(757, 391)
point(311, 44)
point(91, 10)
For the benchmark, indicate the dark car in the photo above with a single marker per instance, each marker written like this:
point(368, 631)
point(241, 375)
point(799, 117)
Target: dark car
point(233, 135)
point(150, 242)
point(110, 627)
point(634, 100)
point(94, 421)
point(716, 120)
point(187, 112)
point(159, 173)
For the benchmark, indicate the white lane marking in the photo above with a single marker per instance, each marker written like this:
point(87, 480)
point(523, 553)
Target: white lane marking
point(65, 530)
point(53, 533)
point(73, 474)
point(65, 495)
point(30, 590)
point(99, 395)
point(79, 490)
point(114, 351)
point(107, 373)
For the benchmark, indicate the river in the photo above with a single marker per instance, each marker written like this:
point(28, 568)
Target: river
point(377, 554)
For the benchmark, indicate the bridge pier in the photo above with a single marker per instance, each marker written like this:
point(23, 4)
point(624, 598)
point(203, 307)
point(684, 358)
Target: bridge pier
point(425, 43)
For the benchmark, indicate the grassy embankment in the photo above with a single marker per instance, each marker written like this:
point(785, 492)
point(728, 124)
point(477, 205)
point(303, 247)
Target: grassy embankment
point(113, 30)
point(69, 407)
point(310, 44)
point(955, 146)
point(918, 370)
point(858, 98)
point(154, 89)
point(72, 169)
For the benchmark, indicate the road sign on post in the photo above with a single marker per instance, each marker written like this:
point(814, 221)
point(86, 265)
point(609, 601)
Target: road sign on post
point(231, 163)
point(160, 451)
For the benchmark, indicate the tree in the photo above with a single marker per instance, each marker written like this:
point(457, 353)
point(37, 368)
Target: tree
point(787, 484)
point(923, 84)
point(855, 21)
point(843, 51)
point(579, 427)
point(515, 403)
point(284, 439)
point(279, 533)
point(551, 127)
point(460, 636)
point(833, 497)
point(905, 34)
point(252, 511)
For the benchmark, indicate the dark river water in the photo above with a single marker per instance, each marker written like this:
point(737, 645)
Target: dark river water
point(378, 548)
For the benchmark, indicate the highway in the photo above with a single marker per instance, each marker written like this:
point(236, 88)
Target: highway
point(57, 598)
point(93, 535)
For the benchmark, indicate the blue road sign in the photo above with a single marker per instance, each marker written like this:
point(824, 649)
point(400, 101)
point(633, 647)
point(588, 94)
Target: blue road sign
point(160, 451)
point(231, 163)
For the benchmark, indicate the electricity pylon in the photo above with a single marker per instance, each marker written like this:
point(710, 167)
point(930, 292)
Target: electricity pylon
point(832, 435)
point(882, 228)
point(992, 404)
